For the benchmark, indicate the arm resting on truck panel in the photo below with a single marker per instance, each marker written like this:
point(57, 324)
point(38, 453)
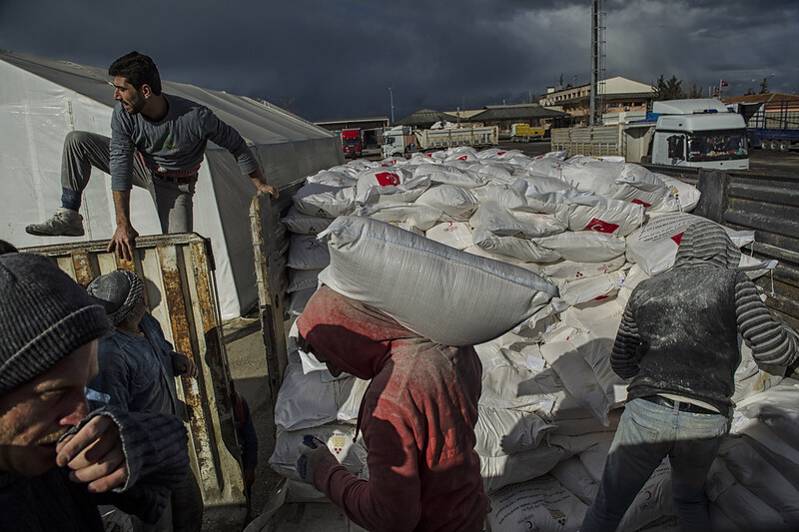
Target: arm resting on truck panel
point(771, 342)
point(627, 347)
point(156, 459)
point(389, 500)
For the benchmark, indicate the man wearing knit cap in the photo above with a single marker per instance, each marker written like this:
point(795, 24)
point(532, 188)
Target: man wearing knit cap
point(57, 459)
point(679, 344)
point(137, 369)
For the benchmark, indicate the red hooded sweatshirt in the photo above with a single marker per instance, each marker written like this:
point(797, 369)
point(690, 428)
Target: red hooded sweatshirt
point(417, 419)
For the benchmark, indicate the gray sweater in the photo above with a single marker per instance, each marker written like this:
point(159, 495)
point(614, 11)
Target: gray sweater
point(679, 333)
point(155, 452)
point(175, 144)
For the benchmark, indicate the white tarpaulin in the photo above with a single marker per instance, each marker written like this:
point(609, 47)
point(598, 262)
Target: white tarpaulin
point(42, 100)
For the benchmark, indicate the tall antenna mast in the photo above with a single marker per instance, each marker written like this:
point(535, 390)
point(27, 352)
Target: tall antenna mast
point(597, 62)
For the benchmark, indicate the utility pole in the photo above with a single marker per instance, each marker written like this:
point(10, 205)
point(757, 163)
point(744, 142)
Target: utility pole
point(597, 61)
point(391, 104)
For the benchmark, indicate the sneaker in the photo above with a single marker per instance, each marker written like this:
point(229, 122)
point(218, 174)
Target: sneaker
point(64, 222)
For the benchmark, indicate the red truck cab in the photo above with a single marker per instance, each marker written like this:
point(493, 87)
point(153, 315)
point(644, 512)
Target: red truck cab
point(352, 143)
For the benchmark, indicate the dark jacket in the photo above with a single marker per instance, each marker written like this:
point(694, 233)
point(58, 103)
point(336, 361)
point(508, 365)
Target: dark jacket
point(680, 329)
point(155, 452)
point(136, 371)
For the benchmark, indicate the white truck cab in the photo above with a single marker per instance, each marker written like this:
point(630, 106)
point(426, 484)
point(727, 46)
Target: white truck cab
point(699, 133)
point(398, 141)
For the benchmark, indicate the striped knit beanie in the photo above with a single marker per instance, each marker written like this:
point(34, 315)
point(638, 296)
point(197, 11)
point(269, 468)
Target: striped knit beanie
point(707, 243)
point(44, 316)
point(119, 292)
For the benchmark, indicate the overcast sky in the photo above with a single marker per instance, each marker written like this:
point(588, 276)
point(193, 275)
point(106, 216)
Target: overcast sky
point(337, 58)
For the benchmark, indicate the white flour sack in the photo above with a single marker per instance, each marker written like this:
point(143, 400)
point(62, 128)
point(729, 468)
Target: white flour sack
point(307, 253)
point(502, 431)
point(324, 201)
point(389, 185)
point(593, 213)
point(456, 235)
point(333, 178)
point(654, 246)
point(628, 182)
point(456, 202)
point(571, 271)
point(521, 249)
point(448, 175)
point(409, 215)
point(304, 224)
point(686, 195)
point(424, 285)
point(500, 471)
point(584, 246)
point(500, 221)
point(542, 505)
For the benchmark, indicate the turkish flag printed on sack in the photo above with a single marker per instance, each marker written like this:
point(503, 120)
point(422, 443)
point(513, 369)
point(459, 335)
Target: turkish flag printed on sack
point(387, 179)
point(601, 226)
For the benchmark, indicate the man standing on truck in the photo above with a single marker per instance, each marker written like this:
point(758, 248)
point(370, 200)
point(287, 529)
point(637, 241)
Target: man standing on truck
point(58, 461)
point(417, 417)
point(678, 342)
point(137, 369)
point(157, 143)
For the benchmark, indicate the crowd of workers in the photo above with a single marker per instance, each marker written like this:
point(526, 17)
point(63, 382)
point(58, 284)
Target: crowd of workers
point(89, 413)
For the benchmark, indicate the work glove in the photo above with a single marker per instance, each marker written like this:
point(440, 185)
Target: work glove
point(313, 454)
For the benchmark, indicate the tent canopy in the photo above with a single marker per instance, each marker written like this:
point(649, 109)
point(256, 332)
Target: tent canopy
point(41, 100)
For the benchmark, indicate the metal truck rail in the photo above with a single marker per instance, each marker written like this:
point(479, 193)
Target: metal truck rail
point(769, 205)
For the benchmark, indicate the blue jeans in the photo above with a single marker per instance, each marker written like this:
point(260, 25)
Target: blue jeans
point(647, 433)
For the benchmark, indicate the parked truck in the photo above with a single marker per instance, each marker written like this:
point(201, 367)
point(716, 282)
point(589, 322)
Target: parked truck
point(775, 126)
point(696, 133)
point(478, 137)
point(398, 141)
point(352, 143)
point(526, 133)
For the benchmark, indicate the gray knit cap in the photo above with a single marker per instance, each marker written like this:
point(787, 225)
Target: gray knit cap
point(44, 316)
point(706, 243)
point(119, 292)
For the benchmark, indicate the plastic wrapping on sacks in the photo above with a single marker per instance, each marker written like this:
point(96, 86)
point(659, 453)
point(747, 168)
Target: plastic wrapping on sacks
point(421, 217)
point(447, 175)
point(574, 477)
point(568, 270)
point(591, 289)
point(504, 431)
point(302, 280)
point(500, 221)
point(456, 202)
point(687, 196)
point(585, 246)
point(536, 185)
point(303, 224)
point(333, 178)
point(390, 269)
point(761, 478)
point(604, 215)
point(307, 253)
point(509, 196)
point(298, 301)
point(501, 471)
point(738, 504)
point(566, 350)
point(521, 249)
point(339, 439)
point(490, 240)
point(653, 502)
point(389, 185)
point(456, 235)
point(324, 201)
point(543, 505)
point(517, 378)
point(309, 400)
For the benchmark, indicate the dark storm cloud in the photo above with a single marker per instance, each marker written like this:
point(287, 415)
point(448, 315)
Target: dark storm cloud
point(334, 58)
